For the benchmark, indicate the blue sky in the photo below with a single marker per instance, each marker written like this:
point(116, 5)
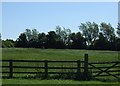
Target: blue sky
point(17, 16)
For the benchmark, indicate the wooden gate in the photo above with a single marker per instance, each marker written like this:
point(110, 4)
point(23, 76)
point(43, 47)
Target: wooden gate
point(113, 69)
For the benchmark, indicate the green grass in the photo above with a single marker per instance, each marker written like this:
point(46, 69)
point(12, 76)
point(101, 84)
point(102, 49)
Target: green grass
point(57, 54)
point(37, 81)
point(54, 54)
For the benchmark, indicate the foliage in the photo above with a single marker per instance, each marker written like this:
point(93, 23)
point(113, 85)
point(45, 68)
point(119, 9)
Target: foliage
point(64, 34)
point(22, 41)
point(89, 31)
point(107, 30)
point(101, 43)
point(77, 41)
point(91, 36)
point(118, 30)
point(8, 43)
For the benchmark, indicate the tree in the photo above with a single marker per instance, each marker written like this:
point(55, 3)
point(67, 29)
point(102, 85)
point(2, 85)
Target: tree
point(51, 39)
point(31, 34)
point(101, 43)
point(32, 37)
point(118, 44)
point(28, 34)
point(35, 34)
point(77, 41)
point(0, 41)
point(118, 30)
point(0, 36)
point(8, 43)
point(22, 41)
point(64, 34)
point(107, 30)
point(89, 31)
point(42, 40)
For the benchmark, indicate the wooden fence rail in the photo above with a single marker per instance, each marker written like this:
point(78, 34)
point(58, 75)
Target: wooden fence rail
point(45, 67)
point(82, 67)
point(112, 70)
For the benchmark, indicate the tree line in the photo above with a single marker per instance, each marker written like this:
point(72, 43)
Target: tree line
point(91, 36)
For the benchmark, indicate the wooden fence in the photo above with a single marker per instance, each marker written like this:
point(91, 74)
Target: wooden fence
point(111, 69)
point(83, 68)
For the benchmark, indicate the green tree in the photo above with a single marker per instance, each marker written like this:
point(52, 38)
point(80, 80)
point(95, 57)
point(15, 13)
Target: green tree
point(101, 43)
point(32, 38)
point(28, 34)
point(77, 41)
point(118, 44)
point(42, 40)
point(107, 30)
point(89, 31)
point(22, 41)
point(8, 43)
point(31, 34)
point(118, 30)
point(35, 34)
point(0, 41)
point(51, 39)
point(63, 33)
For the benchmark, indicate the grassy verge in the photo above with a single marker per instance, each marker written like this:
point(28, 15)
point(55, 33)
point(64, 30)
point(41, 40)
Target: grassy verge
point(37, 81)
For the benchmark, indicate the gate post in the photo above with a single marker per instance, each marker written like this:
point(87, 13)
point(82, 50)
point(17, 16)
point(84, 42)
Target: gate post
point(46, 69)
point(11, 69)
point(78, 70)
point(86, 66)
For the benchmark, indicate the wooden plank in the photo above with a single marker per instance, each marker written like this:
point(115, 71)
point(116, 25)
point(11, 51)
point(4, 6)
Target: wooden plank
point(28, 60)
point(106, 75)
point(62, 67)
point(5, 66)
point(5, 72)
point(63, 61)
point(105, 62)
point(43, 72)
point(28, 72)
point(108, 71)
point(102, 67)
point(62, 72)
point(30, 67)
point(59, 61)
point(38, 61)
point(4, 60)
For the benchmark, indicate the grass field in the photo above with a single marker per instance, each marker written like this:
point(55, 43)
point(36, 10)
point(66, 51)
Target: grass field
point(37, 81)
point(55, 54)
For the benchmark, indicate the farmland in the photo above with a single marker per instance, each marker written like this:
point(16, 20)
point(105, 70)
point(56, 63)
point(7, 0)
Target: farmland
point(55, 54)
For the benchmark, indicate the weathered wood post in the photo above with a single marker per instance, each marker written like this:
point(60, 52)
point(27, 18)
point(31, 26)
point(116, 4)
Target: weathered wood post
point(86, 66)
point(11, 69)
point(46, 69)
point(78, 70)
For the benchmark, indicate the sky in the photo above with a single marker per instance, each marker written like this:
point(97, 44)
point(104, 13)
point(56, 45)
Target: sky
point(45, 16)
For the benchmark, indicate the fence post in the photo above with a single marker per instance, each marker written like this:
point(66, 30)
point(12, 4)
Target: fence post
point(46, 69)
point(78, 70)
point(86, 66)
point(11, 69)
